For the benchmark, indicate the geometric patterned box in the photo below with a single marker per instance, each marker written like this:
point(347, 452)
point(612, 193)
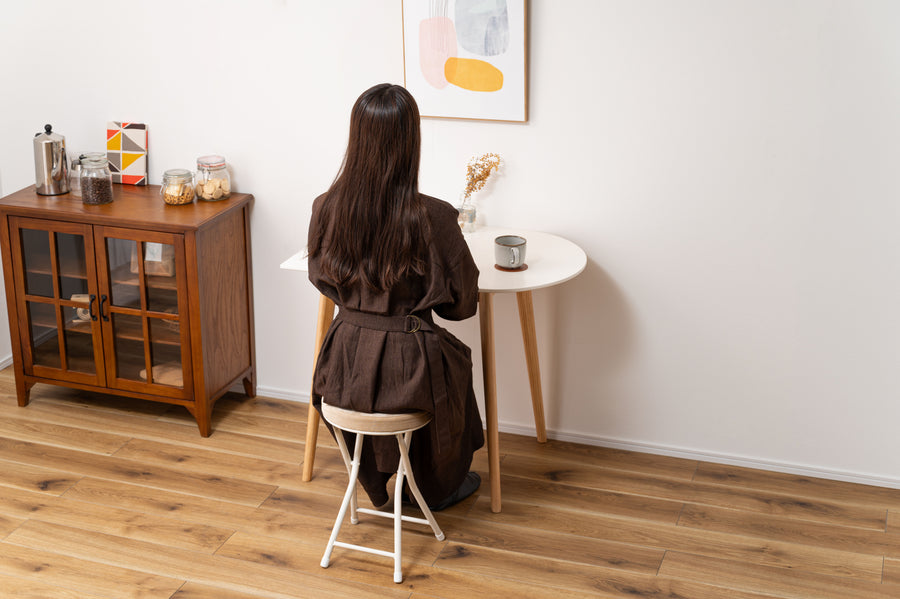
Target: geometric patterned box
point(126, 151)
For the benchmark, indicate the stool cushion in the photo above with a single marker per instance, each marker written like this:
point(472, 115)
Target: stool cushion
point(374, 423)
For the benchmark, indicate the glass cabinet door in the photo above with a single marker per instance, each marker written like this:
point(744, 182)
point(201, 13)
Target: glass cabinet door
point(54, 262)
point(145, 331)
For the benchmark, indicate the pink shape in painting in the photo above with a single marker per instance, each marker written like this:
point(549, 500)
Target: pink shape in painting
point(437, 43)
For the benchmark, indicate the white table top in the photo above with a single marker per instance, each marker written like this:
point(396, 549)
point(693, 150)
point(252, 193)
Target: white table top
point(551, 260)
point(296, 262)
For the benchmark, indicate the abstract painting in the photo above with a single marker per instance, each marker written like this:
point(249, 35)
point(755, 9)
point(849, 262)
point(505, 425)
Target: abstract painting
point(467, 58)
point(126, 151)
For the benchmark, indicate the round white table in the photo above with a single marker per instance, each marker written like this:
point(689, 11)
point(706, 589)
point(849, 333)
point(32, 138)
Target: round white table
point(550, 259)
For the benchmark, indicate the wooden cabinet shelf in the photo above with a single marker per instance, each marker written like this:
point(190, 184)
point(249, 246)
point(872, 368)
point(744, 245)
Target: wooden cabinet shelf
point(136, 298)
point(123, 276)
point(68, 267)
point(163, 336)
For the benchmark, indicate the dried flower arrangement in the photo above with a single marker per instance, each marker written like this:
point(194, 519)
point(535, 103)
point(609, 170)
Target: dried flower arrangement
point(477, 172)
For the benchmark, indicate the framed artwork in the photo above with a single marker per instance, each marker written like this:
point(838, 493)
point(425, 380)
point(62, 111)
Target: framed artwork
point(126, 152)
point(467, 59)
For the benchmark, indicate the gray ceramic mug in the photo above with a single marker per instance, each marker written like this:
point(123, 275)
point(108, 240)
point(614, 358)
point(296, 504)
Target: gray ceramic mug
point(509, 251)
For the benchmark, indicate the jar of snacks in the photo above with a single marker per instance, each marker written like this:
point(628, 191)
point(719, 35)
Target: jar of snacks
point(96, 181)
point(178, 186)
point(213, 181)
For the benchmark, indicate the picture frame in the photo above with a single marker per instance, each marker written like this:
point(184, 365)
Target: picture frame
point(126, 152)
point(467, 59)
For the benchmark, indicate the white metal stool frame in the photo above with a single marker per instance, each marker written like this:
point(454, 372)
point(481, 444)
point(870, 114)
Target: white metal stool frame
point(401, 426)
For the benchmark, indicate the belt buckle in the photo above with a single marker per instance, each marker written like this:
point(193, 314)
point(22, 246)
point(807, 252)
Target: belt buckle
point(416, 325)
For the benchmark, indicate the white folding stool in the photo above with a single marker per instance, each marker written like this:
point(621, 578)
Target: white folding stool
point(377, 424)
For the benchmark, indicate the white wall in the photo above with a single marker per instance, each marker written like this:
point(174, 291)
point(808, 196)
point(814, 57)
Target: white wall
point(730, 169)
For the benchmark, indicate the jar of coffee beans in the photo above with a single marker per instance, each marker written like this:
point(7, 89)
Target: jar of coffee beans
point(178, 186)
point(213, 180)
point(96, 181)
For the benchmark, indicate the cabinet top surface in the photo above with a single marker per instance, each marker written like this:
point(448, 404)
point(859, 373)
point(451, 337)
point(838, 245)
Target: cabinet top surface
point(132, 205)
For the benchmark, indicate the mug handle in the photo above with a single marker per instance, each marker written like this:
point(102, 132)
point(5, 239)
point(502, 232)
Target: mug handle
point(515, 256)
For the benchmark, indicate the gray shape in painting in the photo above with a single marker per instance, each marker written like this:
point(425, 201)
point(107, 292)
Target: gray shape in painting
point(130, 146)
point(482, 26)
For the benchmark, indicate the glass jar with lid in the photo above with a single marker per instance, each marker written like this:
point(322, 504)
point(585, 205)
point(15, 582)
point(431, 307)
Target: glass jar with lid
point(92, 156)
point(177, 186)
point(213, 181)
point(75, 177)
point(75, 170)
point(96, 180)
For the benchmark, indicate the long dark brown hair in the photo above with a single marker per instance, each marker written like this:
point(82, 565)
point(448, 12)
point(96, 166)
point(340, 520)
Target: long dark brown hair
point(378, 224)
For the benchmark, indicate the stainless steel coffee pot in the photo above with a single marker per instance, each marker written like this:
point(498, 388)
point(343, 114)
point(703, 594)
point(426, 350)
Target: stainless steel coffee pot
point(51, 169)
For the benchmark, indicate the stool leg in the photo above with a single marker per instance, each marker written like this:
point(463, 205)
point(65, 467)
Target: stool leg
point(398, 515)
point(348, 462)
point(351, 490)
point(411, 480)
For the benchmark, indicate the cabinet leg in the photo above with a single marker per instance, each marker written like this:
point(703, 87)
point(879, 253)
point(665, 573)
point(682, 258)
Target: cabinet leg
point(23, 392)
point(250, 385)
point(202, 413)
point(205, 427)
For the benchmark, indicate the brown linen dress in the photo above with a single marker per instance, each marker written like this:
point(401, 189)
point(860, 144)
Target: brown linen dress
point(370, 365)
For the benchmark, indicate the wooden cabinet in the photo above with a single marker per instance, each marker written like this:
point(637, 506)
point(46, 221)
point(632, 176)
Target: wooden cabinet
point(136, 298)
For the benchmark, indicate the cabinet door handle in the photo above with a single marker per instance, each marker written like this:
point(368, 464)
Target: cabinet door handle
point(103, 315)
point(91, 307)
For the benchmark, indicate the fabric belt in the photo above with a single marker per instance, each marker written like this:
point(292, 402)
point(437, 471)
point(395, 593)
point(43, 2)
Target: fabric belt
point(415, 324)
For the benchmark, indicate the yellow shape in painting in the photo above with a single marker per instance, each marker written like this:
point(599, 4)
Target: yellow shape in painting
point(114, 142)
point(128, 159)
point(473, 74)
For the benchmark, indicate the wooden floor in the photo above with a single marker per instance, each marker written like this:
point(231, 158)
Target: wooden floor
point(109, 497)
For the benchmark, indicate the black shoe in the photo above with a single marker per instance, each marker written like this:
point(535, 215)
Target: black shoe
point(469, 485)
point(378, 502)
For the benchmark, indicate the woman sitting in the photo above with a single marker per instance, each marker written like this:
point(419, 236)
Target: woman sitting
point(390, 257)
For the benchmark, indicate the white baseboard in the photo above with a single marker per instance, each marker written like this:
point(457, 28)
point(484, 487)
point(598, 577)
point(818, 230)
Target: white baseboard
point(677, 452)
point(6, 362)
point(286, 394)
point(717, 458)
point(689, 454)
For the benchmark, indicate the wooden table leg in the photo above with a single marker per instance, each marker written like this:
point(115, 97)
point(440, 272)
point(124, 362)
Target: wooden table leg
point(486, 317)
point(326, 315)
point(529, 336)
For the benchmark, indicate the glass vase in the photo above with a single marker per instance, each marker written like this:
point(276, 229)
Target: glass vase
point(467, 214)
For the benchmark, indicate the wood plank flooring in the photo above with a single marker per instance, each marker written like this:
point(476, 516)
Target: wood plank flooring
point(107, 497)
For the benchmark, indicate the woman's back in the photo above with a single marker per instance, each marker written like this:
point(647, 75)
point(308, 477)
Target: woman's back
point(445, 250)
point(389, 257)
point(379, 370)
